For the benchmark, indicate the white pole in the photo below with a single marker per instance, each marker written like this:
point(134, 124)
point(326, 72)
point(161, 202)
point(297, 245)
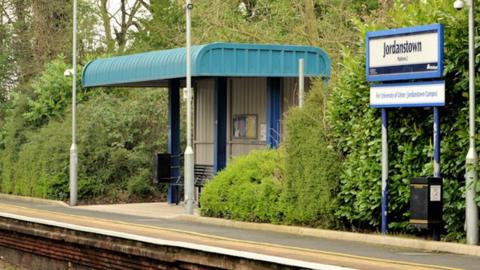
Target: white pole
point(189, 182)
point(73, 148)
point(301, 82)
point(471, 215)
point(384, 202)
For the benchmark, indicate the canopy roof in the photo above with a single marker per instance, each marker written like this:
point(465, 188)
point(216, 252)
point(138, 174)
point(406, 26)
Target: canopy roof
point(209, 60)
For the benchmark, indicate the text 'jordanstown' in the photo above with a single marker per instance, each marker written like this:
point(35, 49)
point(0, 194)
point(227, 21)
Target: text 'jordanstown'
point(406, 47)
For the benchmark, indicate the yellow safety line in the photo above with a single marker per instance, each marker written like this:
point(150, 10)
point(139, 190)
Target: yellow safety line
point(239, 240)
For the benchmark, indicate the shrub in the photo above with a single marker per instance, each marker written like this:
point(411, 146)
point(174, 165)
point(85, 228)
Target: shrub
point(293, 185)
point(141, 184)
point(52, 94)
point(312, 167)
point(117, 137)
point(248, 189)
point(357, 128)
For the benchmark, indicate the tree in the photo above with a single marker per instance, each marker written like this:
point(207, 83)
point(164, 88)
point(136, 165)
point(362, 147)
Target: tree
point(51, 27)
point(121, 22)
point(5, 52)
point(164, 28)
point(22, 48)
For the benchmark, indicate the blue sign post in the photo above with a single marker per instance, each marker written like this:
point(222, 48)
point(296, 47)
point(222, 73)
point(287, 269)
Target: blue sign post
point(412, 53)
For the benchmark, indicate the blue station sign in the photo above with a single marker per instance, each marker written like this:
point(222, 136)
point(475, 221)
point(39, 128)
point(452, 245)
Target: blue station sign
point(405, 53)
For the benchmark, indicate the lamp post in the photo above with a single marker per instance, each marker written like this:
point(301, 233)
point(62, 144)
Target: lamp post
point(73, 148)
point(189, 184)
point(301, 82)
point(471, 213)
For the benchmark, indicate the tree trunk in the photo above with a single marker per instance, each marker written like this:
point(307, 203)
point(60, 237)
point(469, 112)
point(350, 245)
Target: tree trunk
point(51, 25)
point(107, 26)
point(311, 22)
point(22, 45)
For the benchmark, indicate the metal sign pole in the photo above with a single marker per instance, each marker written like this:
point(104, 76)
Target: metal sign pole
point(436, 161)
point(384, 207)
point(189, 183)
point(436, 142)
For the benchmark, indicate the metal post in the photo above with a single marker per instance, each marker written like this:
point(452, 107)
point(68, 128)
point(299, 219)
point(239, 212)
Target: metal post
point(189, 184)
point(471, 215)
point(384, 207)
point(301, 82)
point(436, 142)
point(436, 161)
point(73, 148)
point(174, 139)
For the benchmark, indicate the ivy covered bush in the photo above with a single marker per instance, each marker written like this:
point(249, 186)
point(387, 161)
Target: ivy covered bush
point(357, 128)
point(331, 173)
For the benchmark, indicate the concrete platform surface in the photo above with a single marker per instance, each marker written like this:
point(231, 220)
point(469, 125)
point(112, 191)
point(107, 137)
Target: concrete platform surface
point(149, 210)
point(168, 222)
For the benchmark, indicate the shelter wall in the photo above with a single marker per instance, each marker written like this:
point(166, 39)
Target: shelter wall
point(204, 121)
point(246, 97)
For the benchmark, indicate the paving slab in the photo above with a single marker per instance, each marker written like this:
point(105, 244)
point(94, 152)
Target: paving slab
point(148, 210)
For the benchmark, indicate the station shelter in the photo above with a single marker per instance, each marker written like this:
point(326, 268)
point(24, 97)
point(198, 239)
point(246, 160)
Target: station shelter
point(241, 92)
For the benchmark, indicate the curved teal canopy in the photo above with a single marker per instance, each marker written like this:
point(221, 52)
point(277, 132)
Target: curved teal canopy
point(210, 60)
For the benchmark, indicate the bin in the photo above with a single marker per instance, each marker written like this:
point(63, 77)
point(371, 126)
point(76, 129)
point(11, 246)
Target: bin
point(426, 202)
point(162, 168)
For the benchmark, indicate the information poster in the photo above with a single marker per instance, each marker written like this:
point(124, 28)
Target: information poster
point(245, 126)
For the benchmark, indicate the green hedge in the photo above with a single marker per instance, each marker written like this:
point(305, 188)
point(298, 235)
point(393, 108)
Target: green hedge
point(312, 167)
point(117, 137)
point(293, 185)
point(248, 189)
point(357, 128)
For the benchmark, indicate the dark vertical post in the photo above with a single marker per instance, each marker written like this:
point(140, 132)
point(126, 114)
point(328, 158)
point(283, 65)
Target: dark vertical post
point(220, 133)
point(436, 142)
point(436, 161)
point(174, 138)
point(384, 206)
point(273, 112)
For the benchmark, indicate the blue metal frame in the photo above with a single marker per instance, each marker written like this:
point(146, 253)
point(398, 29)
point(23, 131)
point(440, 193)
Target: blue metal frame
point(273, 112)
point(436, 139)
point(220, 134)
point(174, 138)
point(406, 31)
point(409, 105)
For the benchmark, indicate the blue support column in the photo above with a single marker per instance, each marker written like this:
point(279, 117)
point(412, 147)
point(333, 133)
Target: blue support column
point(436, 142)
point(174, 138)
point(220, 133)
point(273, 112)
point(436, 161)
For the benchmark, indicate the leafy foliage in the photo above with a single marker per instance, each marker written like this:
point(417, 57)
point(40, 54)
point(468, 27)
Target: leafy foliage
point(52, 94)
point(356, 128)
point(248, 189)
point(118, 135)
point(162, 31)
point(312, 167)
point(294, 185)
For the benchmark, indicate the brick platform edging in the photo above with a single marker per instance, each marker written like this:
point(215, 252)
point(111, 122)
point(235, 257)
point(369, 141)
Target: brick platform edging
point(31, 199)
point(434, 246)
